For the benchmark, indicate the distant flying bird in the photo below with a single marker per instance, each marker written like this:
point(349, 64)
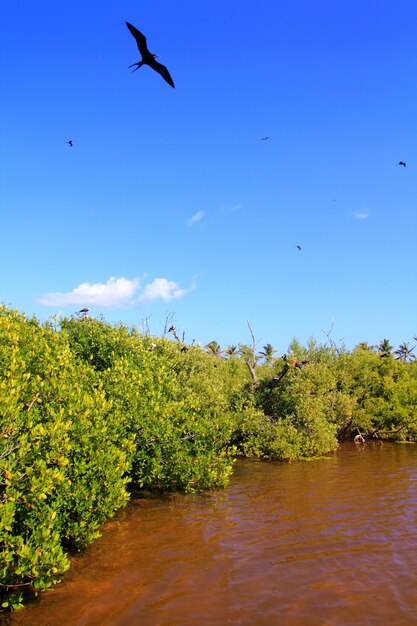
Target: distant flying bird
point(402, 163)
point(264, 138)
point(70, 143)
point(147, 57)
point(298, 248)
point(84, 311)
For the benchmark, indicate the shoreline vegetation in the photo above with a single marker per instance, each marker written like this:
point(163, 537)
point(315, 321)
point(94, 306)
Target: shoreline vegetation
point(91, 412)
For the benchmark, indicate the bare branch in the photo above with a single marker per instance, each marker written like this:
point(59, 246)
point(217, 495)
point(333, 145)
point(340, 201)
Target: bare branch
point(329, 338)
point(7, 452)
point(145, 325)
point(33, 401)
point(173, 331)
point(252, 362)
point(253, 342)
point(169, 321)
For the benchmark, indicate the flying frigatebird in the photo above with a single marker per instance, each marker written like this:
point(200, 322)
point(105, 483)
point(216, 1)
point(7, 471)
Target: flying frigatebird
point(147, 57)
point(402, 163)
point(70, 143)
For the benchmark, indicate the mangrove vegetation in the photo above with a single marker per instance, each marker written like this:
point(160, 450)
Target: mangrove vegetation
point(90, 412)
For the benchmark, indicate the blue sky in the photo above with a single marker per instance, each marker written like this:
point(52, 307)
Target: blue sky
point(169, 202)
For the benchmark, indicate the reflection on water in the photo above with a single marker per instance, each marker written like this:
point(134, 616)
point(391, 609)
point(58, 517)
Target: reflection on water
point(329, 542)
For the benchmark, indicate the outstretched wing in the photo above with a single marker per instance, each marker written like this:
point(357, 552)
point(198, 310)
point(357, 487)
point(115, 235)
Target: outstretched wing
point(140, 39)
point(161, 69)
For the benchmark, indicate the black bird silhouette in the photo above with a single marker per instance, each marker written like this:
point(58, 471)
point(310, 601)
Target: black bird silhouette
point(402, 163)
point(264, 138)
point(70, 143)
point(84, 311)
point(147, 57)
point(298, 248)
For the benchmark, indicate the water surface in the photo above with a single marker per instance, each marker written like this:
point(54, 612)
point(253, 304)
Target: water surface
point(329, 542)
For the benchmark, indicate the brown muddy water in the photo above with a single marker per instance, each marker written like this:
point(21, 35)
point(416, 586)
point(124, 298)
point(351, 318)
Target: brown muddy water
point(326, 542)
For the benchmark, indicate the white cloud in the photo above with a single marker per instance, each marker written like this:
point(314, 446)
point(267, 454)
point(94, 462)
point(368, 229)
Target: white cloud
point(363, 214)
point(197, 217)
point(162, 289)
point(116, 293)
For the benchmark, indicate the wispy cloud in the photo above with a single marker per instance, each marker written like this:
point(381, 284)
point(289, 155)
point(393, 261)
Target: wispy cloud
point(116, 293)
point(197, 217)
point(231, 209)
point(362, 214)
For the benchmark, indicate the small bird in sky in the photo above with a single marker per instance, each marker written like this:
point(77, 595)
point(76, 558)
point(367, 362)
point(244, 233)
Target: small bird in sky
point(147, 57)
point(264, 138)
point(84, 311)
point(70, 143)
point(402, 163)
point(298, 248)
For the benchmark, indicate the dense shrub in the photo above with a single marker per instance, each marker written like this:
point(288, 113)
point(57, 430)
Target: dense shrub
point(63, 469)
point(172, 404)
point(89, 411)
point(297, 403)
point(384, 392)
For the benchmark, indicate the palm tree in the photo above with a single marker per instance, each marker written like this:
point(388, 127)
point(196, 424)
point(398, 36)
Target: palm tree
point(268, 353)
point(245, 352)
point(231, 351)
point(364, 345)
point(384, 348)
point(404, 352)
point(214, 348)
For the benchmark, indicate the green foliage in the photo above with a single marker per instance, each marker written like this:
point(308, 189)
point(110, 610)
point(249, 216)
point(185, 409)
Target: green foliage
point(98, 343)
point(296, 401)
point(63, 470)
point(177, 445)
point(385, 394)
point(174, 405)
point(89, 411)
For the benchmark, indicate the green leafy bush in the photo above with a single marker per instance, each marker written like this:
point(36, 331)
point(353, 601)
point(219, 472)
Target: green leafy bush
point(63, 471)
point(89, 411)
point(385, 394)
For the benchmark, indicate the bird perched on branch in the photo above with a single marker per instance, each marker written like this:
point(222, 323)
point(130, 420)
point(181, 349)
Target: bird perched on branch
point(84, 312)
point(299, 364)
point(147, 57)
